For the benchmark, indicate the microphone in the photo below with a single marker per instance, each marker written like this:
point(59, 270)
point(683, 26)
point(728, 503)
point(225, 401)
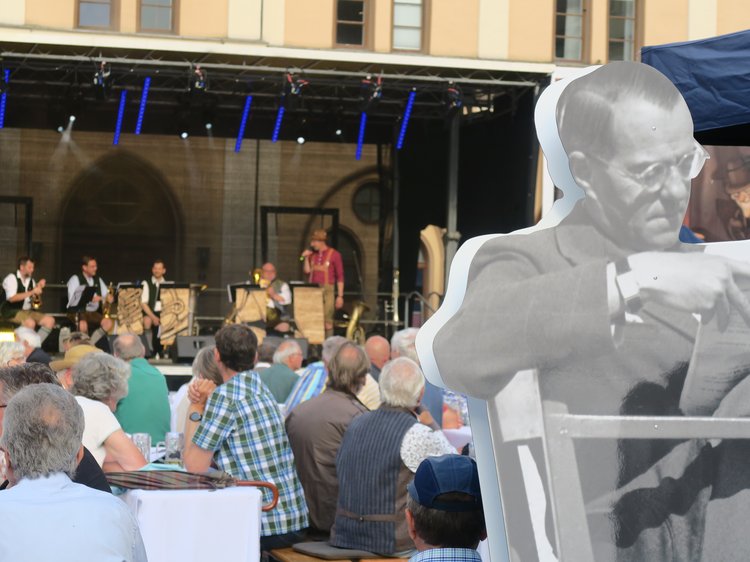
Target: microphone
point(303, 257)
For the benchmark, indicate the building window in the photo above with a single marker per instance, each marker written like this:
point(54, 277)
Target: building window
point(407, 25)
point(96, 13)
point(157, 15)
point(570, 25)
point(350, 22)
point(622, 14)
point(366, 203)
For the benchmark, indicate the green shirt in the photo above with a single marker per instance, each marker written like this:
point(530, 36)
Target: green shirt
point(146, 407)
point(280, 380)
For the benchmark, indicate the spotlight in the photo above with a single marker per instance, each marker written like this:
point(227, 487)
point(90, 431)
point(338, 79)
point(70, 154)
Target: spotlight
point(198, 80)
point(142, 106)
point(243, 123)
point(72, 118)
point(339, 132)
point(120, 114)
point(301, 140)
point(292, 91)
point(209, 126)
point(61, 129)
point(405, 119)
point(361, 136)
point(277, 125)
point(371, 90)
point(184, 135)
point(103, 81)
point(4, 95)
point(453, 100)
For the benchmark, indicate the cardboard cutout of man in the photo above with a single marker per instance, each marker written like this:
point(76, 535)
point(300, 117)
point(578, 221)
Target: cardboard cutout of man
point(605, 306)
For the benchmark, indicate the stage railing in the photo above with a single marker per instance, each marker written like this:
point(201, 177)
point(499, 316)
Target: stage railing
point(213, 307)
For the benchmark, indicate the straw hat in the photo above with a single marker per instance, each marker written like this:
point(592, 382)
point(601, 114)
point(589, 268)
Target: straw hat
point(73, 356)
point(319, 235)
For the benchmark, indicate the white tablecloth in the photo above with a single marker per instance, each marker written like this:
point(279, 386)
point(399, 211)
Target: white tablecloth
point(198, 525)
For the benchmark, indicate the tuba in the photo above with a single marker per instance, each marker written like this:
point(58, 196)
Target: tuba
point(354, 330)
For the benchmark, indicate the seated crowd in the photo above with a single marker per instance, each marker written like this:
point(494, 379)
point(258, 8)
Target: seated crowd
point(357, 456)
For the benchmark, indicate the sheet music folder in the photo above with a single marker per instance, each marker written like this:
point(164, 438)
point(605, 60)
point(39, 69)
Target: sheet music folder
point(232, 289)
point(82, 296)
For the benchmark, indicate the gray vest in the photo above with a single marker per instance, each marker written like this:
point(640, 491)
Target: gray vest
point(372, 483)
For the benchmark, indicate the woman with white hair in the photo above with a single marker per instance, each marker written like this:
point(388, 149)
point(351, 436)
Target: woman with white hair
point(99, 381)
point(11, 354)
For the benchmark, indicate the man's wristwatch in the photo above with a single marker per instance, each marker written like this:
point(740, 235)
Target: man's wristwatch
point(628, 286)
point(195, 416)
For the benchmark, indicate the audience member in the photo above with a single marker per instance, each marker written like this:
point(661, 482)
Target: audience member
point(316, 427)
point(145, 408)
point(44, 515)
point(314, 378)
point(32, 346)
point(13, 379)
point(378, 455)
point(265, 355)
point(204, 367)
point(378, 352)
point(280, 377)
point(444, 510)
point(403, 345)
point(11, 353)
point(73, 339)
point(99, 381)
point(239, 427)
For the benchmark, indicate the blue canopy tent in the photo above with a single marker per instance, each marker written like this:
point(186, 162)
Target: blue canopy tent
point(713, 76)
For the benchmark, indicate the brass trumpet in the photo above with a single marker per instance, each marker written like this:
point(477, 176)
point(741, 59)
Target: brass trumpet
point(107, 306)
point(36, 299)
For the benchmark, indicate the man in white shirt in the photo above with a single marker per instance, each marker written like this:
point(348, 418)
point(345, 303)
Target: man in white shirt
point(20, 289)
point(44, 515)
point(91, 316)
point(151, 301)
point(279, 298)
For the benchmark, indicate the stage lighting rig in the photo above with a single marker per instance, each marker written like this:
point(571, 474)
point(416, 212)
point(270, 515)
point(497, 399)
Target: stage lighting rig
point(198, 80)
point(103, 81)
point(371, 90)
point(453, 99)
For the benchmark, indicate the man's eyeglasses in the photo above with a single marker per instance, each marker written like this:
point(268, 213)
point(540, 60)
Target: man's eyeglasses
point(651, 179)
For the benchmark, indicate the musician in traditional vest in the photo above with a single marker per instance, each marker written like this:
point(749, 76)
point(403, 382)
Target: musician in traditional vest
point(21, 291)
point(91, 318)
point(151, 301)
point(279, 298)
point(324, 267)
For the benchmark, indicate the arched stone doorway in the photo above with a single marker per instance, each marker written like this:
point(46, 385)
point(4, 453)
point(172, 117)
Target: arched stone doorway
point(122, 211)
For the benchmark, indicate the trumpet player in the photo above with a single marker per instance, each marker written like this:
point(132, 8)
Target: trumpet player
point(91, 317)
point(23, 298)
point(151, 302)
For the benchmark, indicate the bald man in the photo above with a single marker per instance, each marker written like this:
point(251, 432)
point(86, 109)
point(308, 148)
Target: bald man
point(378, 351)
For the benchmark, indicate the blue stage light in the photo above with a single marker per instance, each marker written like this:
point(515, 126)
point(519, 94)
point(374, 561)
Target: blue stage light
point(142, 107)
point(4, 98)
point(277, 126)
point(405, 119)
point(120, 113)
point(361, 137)
point(245, 114)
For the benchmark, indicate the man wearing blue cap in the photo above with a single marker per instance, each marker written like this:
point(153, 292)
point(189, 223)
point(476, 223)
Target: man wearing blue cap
point(444, 510)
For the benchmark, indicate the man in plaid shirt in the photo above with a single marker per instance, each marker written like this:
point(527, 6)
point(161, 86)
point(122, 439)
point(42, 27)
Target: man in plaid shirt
point(239, 427)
